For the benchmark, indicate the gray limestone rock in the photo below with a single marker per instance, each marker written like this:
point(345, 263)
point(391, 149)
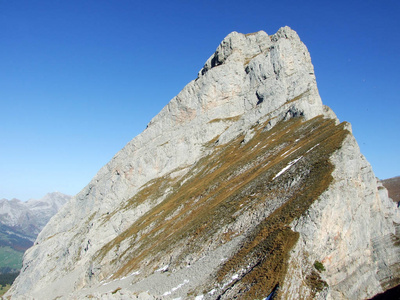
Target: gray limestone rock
point(352, 229)
point(248, 88)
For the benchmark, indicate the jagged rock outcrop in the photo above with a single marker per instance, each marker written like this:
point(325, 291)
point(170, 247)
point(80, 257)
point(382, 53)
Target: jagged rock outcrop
point(244, 184)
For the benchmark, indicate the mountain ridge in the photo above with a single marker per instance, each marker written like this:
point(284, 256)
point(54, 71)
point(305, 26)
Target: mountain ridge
point(20, 223)
point(32, 215)
point(238, 166)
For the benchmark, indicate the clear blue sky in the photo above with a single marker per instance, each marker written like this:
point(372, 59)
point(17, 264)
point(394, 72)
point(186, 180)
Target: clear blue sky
point(81, 78)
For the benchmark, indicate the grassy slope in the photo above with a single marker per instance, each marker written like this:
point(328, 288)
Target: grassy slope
point(235, 178)
point(10, 258)
point(6, 281)
point(13, 244)
point(4, 289)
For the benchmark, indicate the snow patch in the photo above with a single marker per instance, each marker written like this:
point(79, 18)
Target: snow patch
point(212, 292)
point(135, 273)
point(163, 269)
point(176, 288)
point(312, 148)
point(287, 167)
point(283, 154)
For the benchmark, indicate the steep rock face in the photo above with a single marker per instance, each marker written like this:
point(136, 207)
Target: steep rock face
point(226, 192)
point(352, 229)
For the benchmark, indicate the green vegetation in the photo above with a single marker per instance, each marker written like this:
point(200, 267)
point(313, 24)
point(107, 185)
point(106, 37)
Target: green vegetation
point(235, 177)
point(315, 282)
point(10, 258)
point(319, 266)
point(13, 244)
point(4, 289)
point(6, 280)
point(14, 238)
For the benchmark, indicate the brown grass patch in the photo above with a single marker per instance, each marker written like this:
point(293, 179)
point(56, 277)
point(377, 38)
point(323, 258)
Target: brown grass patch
point(233, 177)
point(230, 119)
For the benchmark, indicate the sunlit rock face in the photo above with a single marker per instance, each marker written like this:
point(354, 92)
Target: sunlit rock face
point(244, 185)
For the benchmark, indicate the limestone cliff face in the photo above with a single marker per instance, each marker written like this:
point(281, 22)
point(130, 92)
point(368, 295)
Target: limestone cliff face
point(352, 229)
point(239, 185)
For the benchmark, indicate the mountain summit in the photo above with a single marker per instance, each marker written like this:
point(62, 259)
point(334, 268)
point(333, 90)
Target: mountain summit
point(243, 186)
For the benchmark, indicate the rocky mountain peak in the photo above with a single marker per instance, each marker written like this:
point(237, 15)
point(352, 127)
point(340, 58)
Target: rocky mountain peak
point(244, 182)
point(238, 47)
point(52, 200)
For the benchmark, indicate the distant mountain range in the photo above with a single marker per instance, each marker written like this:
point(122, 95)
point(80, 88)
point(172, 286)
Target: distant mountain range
point(20, 223)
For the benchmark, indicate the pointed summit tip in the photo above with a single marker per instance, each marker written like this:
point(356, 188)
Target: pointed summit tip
point(287, 33)
point(246, 46)
point(283, 32)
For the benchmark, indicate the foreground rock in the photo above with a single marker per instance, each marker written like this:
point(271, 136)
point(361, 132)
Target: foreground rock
point(242, 186)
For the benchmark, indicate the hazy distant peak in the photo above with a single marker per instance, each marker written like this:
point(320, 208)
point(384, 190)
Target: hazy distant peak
point(51, 198)
point(31, 216)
